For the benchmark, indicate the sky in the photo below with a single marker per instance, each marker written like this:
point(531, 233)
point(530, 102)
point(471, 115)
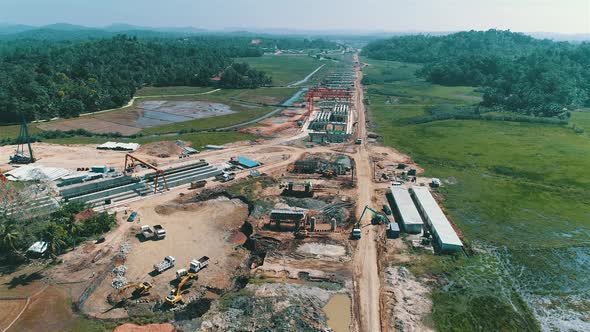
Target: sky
point(561, 16)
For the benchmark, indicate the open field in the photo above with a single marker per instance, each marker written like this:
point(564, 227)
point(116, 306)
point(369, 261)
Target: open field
point(284, 69)
point(245, 104)
point(516, 190)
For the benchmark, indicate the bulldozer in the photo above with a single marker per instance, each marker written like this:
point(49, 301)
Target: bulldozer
point(176, 296)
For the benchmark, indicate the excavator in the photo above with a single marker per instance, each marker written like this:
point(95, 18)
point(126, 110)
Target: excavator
point(141, 288)
point(377, 219)
point(176, 297)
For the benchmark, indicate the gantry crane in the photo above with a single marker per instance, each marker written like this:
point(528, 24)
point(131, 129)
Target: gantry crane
point(130, 164)
point(176, 297)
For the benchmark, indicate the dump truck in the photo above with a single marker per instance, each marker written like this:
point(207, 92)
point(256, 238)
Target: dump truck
point(164, 265)
point(176, 296)
point(147, 232)
point(160, 232)
point(359, 141)
point(198, 264)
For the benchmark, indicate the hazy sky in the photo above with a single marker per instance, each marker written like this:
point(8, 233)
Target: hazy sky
point(566, 16)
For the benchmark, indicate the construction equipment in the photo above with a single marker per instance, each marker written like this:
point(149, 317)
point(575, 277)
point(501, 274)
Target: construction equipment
point(198, 184)
point(377, 218)
point(176, 297)
point(164, 265)
point(139, 289)
point(197, 265)
point(20, 156)
point(147, 232)
point(130, 161)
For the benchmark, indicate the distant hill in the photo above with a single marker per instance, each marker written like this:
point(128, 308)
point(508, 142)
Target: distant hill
point(7, 28)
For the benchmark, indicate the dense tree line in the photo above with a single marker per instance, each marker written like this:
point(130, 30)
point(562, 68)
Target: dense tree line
point(64, 79)
point(519, 73)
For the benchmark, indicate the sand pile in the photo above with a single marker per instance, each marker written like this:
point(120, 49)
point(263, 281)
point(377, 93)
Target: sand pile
point(164, 149)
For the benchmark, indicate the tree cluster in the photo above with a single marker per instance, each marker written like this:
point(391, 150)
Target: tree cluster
point(61, 230)
point(241, 75)
point(519, 73)
point(66, 79)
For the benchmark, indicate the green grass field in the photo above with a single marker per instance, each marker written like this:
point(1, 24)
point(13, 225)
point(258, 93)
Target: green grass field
point(284, 69)
point(518, 191)
point(248, 104)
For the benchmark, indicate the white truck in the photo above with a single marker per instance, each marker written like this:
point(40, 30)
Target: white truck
point(158, 232)
point(164, 265)
point(147, 232)
point(198, 264)
point(181, 273)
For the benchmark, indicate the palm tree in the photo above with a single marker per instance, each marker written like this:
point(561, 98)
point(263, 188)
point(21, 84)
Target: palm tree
point(55, 237)
point(9, 235)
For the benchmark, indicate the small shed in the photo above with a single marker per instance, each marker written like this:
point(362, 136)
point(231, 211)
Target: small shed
point(245, 162)
point(392, 230)
point(38, 248)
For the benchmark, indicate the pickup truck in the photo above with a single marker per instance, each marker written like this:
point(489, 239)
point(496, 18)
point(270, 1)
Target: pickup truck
point(164, 265)
point(198, 264)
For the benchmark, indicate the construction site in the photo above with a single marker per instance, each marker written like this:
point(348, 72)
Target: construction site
point(300, 224)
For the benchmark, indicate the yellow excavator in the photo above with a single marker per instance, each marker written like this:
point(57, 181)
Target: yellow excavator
point(175, 297)
point(141, 288)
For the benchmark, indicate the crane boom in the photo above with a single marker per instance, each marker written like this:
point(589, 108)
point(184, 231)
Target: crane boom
point(130, 162)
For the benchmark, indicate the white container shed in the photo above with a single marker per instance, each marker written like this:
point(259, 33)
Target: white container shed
point(445, 237)
point(404, 210)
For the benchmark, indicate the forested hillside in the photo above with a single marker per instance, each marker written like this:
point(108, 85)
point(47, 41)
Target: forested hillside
point(519, 73)
point(68, 78)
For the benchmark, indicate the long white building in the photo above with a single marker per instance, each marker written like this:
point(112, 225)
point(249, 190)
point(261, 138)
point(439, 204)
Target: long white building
point(445, 237)
point(404, 210)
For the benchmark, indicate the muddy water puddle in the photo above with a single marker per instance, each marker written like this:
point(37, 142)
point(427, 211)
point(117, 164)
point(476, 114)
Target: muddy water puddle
point(338, 312)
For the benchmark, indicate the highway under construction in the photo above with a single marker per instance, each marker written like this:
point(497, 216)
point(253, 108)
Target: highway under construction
point(295, 222)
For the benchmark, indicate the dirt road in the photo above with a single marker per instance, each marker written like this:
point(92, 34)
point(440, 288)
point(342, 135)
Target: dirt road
point(366, 273)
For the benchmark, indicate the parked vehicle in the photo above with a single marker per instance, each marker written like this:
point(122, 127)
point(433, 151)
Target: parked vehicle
point(198, 264)
point(164, 265)
point(225, 177)
point(132, 216)
point(147, 232)
point(160, 232)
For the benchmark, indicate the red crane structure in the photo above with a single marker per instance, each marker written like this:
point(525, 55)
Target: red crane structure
point(326, 93)
point(130, 164)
